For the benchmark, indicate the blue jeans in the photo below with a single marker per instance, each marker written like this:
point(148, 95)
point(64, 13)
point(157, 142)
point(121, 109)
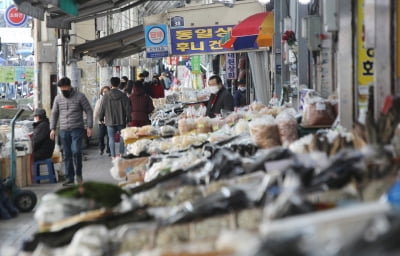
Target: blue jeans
point(72, 149)
point(111, 131)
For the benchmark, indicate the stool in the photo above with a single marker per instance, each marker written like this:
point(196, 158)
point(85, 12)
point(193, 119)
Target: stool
point(37, 177)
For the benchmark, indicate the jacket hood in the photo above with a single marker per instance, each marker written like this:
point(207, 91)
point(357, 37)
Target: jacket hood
point(116, 94)
point(137, 91)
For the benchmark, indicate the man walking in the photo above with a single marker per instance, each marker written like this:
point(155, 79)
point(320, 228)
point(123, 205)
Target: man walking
point(68, 107)
point(115, 113)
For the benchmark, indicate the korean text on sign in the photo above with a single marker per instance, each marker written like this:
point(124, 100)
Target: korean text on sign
point(188, 41)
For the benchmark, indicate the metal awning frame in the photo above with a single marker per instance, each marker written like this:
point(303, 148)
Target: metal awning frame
point(118, 45)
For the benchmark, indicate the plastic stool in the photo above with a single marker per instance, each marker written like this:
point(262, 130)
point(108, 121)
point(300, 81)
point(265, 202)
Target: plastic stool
point(50, 171)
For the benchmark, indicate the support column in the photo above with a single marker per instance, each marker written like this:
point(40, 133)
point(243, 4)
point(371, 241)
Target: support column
point(36, 74)
point(44, 70)
point(277, 51)
point(106, 73)
point(345, 65)
point(383, 64)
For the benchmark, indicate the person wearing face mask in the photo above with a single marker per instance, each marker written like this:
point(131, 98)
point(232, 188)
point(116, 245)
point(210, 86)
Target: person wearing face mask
point(68, 107)
point(102, 127)
point(220, 99)
point(157, 89)
point(43, 146)
point(240, 95)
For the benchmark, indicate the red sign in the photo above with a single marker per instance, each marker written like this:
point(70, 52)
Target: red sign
point(173, 60)
point(14, 17)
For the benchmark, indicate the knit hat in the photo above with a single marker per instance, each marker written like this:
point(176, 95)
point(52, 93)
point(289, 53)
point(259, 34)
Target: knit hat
point(39, 112)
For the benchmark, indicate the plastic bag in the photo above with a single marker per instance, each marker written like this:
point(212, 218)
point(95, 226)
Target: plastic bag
point(287, 125)
point(317, 111)
point(264, 132)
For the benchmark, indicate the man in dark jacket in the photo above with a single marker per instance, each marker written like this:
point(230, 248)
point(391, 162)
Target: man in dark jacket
point(115, 113)
point(43, 146)
point(220, 98)
point(239, 97)
point(68, 107)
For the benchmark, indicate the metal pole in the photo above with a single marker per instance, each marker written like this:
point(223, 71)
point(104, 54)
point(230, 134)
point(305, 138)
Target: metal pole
point(383, 65)
point(345, 65)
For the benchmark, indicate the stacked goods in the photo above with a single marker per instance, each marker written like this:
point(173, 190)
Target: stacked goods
point(265, 132)
point(287, 125)
point(317, 111)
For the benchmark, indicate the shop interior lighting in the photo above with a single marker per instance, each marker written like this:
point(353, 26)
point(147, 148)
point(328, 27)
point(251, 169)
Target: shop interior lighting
point(304, 1)
point(264, 1)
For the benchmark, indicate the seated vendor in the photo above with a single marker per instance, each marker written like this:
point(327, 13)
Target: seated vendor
point(220, 99)
point(43, 146)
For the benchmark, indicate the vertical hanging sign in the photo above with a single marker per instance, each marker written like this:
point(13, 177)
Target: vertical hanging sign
point(195, 60)
point(230, 66)
point(365, 63)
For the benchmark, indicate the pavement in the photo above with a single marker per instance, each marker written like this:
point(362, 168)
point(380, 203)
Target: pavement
point(14, 231)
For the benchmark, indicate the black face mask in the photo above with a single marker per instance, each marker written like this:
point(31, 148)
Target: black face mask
point(66, 93)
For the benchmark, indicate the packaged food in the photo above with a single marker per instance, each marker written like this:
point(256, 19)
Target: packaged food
point(129, 133)
point(203, 125)
point(186, 125)
point(265, 133)
point(257, 106)
point(287, 125)
point(147, 130)
point(317, 111)
point(241, 126)
point(168, 130)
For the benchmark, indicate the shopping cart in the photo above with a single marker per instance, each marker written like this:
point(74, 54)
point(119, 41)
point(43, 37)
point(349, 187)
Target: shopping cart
point(24, 200)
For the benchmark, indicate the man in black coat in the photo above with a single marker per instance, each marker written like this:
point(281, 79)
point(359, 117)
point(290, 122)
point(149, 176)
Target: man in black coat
point(220, 99)
point(43, 146)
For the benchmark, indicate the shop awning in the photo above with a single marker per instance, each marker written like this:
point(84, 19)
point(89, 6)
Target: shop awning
point(118, 45)
point(253, 32)
point(61, 13)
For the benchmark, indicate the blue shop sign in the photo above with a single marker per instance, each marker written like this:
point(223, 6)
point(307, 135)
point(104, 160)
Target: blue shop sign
point(200, 40)
point(156, 41)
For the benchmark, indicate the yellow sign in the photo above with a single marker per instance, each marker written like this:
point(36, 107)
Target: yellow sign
point(365, 62)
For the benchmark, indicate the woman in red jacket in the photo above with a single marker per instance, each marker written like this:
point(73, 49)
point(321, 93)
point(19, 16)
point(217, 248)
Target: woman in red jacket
point(156, 88)
point(141, 105)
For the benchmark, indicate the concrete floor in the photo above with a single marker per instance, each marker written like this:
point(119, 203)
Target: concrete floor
point(14, 231)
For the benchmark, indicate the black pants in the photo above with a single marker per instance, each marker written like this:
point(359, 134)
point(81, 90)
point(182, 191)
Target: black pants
point(102, 134)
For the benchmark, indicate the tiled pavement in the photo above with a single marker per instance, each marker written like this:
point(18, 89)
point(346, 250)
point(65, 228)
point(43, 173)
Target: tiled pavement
point(14, 231)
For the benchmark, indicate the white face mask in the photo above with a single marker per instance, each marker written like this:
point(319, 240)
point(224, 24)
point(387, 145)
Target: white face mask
point(242, 89)
point(213, 89)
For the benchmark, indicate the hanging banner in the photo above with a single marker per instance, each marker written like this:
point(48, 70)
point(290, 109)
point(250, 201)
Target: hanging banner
point(7, 74)
point(173, 60)
point(231, 67)
point(195, 64)
point(187, 41)
point(365, 63)
point(156, 41)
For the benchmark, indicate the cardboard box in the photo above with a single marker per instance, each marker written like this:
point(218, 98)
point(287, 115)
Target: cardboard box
point(23, 166)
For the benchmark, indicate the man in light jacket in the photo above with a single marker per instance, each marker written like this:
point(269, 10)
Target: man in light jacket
point(68, 107)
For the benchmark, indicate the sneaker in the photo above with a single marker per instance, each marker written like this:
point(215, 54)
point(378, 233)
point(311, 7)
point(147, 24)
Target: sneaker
point(101, 152)
point(78, 180)
point(68, 183)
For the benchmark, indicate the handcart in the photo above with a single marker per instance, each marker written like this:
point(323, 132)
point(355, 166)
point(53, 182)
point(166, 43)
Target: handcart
point(24, 200)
